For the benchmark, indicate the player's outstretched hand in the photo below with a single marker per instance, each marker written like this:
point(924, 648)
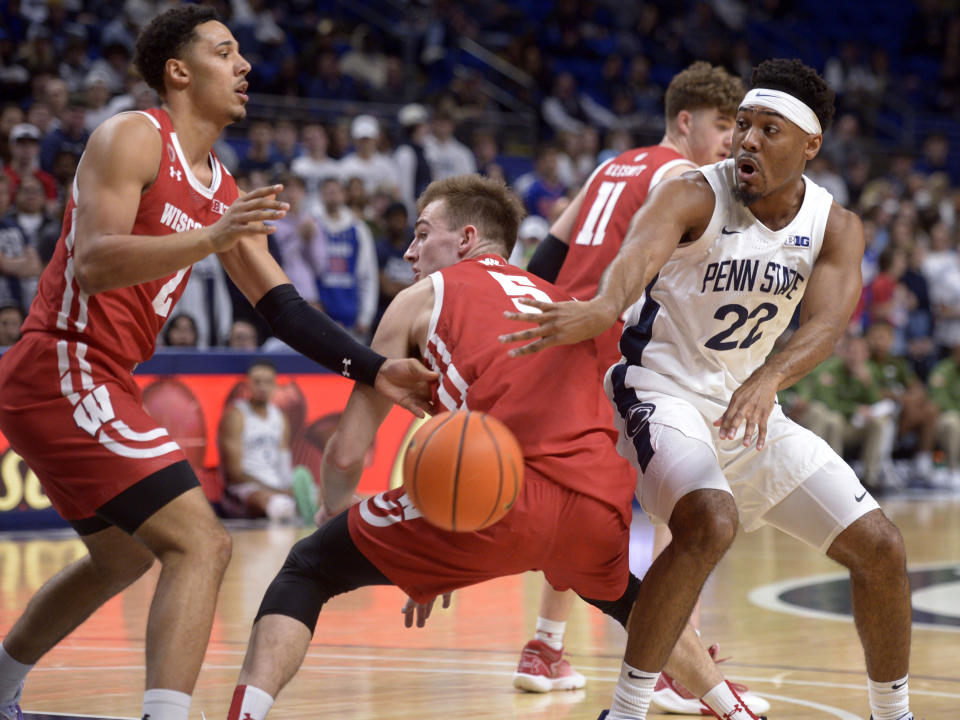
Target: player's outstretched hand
point(247, 216)
point(421, 611)
point(751, 402)
point(408, 383)
point(563, 323)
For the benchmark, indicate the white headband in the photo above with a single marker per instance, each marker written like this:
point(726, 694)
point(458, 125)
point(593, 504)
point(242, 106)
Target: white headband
point(794, 110)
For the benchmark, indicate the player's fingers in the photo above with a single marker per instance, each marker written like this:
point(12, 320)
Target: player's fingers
point(447, 598)
point(533, 347)
point(748, 432)
point(538, 318)
point(262, 191)
point(761, 433)
point(521, 335)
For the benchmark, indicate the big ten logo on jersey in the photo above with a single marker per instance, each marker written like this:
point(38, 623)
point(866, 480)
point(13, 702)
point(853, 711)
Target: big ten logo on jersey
point(21, 488)
point(800, 241)
point(520, 286)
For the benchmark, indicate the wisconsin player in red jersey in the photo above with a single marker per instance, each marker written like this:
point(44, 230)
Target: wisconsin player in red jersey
point(571, 519)
point(150, 198)
point(700, 103)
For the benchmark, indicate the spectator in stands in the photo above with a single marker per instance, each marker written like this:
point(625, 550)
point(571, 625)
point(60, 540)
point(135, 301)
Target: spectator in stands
point(11, 318)
point(841, 402)
point(413, 169)
point(97, 99)
point(395, 272)
point(181, 332)
point(936, 158)
point(114, 65)
point(365, 61)
point(447, 155)
point(19, 262)
point(10, 116)
point(25, 161)
point(349, 285)
point(544, 187)
point(260, 154)
point(314, 164)
point(366, 162)
point(71, 135)
point(917, 414)
point(300, 241)
point(75, 60)
point(566, 108)
point(532, 230)
point(327, 82)
point(243, 336)
point(39, 228)
point(254, 442)
point(285, 143)
point(944, 384)
point(822, 171)
point(206, 299)
point(486, 152)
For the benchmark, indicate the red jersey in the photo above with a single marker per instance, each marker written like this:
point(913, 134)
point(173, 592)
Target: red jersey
point(553, 400)
point(615, 192)
point(124, 323)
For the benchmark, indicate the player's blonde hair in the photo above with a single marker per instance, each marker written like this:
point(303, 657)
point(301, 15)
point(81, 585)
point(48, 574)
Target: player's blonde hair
point(703, 85)
point(487, 204)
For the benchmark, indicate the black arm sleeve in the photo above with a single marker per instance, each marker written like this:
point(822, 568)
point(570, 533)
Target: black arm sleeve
point(314, 334)
point(548, 258)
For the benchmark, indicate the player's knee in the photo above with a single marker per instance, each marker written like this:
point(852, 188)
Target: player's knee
point(303, 585)
point(871, 546)
point(705, 523)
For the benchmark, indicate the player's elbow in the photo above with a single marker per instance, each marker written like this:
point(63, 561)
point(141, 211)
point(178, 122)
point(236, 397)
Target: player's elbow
point(342, 455)
point(91, 275)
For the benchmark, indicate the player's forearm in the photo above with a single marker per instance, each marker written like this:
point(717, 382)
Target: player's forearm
point(810, 345)
point(339, 482)
point(107, 262)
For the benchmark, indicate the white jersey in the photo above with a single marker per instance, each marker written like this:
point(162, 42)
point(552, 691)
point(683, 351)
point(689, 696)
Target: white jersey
point(262, 440)
point(712, 314)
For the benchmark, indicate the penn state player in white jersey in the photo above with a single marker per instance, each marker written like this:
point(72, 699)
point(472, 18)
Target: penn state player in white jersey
point(716, 261)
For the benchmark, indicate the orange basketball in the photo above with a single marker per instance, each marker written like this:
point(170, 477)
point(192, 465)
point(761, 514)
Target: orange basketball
point(463, 470)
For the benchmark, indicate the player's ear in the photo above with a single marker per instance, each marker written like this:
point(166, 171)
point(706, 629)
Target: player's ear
point(684, 119)
point(177, 73)
point(468, 239)
point(812, 146)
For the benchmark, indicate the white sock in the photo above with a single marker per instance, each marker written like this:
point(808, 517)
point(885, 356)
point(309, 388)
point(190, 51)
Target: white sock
point(550, 632)
point(631, 697)
point(165, 705)
point(724, 703)
point(249, 703)
point(12, 674)
point(889, 700)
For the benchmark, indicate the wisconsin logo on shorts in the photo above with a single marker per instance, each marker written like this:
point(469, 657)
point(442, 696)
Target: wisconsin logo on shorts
point(637, 416)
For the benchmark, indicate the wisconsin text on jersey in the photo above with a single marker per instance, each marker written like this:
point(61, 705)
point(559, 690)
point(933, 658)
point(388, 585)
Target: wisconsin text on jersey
point(741, 275)
point(177, 220)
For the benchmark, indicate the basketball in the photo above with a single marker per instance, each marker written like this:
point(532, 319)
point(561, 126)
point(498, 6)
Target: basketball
point(463, 470)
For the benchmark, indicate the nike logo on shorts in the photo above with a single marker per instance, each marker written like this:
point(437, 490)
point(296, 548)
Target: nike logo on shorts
point(858, 499)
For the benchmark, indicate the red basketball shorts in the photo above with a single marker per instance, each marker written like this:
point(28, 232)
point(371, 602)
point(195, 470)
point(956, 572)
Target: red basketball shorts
point(78, 423)
point(577, 541)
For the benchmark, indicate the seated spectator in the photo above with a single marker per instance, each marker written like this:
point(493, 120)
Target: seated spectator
point(206, 299)
point(181, 332)
point(25, 161)
point(38, 226)
point(325, 80)
point(313, 163)
point(486, 152)
point(447, 155)
point(300, 241)
point(566, 108)
point(19, 262)
point(898, 382)
point(944, 385)
point(366, 162)
point(10, 116)
point(11, 318)
point(285, 142)
point(260, 154)
point(395, 272)
point(841, 402)
point(542, 188)
point(243, 336)
point(254, 442)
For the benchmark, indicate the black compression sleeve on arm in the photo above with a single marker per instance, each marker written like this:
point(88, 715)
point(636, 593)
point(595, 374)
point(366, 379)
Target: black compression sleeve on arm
point(311, 332)
point(548, 258)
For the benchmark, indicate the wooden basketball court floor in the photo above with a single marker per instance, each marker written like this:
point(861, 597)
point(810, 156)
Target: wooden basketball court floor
point(779, 609)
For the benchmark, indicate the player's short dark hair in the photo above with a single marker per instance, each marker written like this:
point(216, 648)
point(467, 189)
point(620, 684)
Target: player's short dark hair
point(703, 85)
point(803, 82)
point(167, 36)
point(487, 204)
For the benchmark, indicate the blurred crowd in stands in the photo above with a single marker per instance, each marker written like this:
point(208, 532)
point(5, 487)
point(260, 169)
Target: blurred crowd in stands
point(358, 106)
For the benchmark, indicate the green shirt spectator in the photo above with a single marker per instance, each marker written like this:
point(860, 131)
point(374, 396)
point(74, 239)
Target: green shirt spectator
point(944, 382)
